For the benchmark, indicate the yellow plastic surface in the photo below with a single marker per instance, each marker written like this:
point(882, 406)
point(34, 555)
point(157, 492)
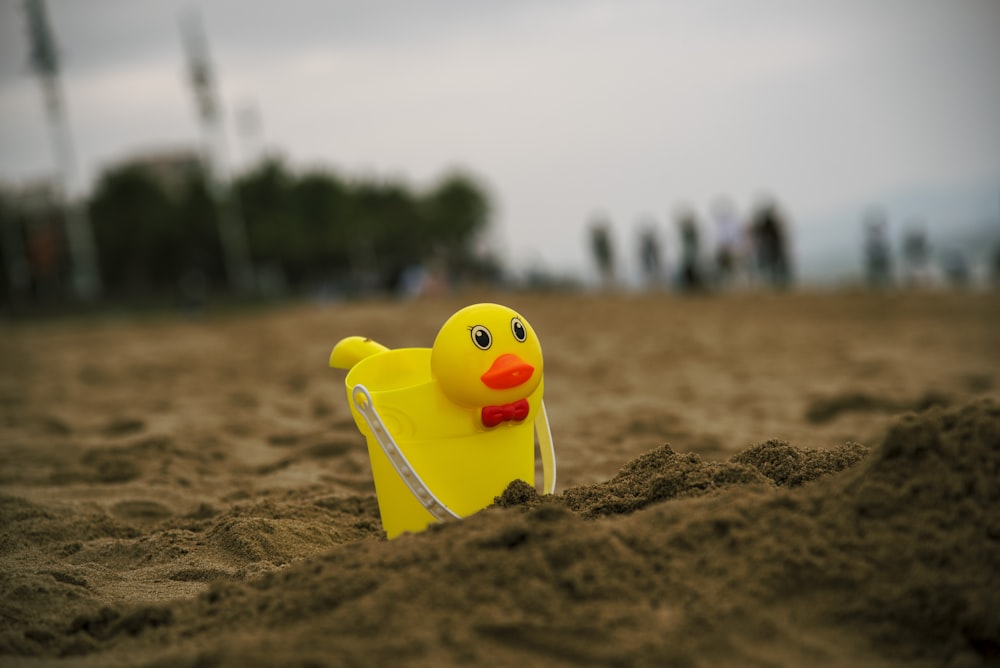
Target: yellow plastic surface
point(352, 350)
point(464, 464)
point(431, 402)
point(458, 364)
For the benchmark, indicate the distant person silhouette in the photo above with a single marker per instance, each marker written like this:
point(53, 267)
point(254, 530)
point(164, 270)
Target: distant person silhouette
point(916, 256)
point(603, 252)
point(996, 266)
point(771, 247)
point(955, 266)
point(728, 242)
point(650, 257)
point(878, 256)
point(690, 278)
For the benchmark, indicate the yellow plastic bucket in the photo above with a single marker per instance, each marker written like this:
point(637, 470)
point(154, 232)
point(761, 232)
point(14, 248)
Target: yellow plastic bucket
point(432, 460)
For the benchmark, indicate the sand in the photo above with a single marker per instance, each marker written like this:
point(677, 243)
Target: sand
point(746, 480)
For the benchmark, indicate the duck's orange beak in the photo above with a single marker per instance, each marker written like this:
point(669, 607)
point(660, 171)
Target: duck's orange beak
point(506, 372)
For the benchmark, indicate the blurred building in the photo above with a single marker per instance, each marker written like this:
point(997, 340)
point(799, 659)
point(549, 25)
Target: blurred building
point(33, 241)
point(171, 168)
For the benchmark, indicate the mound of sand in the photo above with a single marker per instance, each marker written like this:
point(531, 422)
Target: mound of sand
point(779, 556)
point(195, 492)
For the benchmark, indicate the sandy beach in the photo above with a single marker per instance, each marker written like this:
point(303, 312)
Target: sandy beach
point(744, 480)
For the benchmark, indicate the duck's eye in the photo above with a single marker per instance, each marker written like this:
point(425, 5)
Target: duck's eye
point(517, 327)
point(481, 337)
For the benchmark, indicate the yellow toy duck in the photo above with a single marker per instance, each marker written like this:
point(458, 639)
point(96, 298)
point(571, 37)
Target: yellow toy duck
point(449, 427)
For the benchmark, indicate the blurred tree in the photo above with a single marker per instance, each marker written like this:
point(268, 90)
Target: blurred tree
point(390, 233)
point(265, 196)
point(321, 204)
point(136, 229)
point(309, 228)
point(152, 235)
point(201, 248)
point(456, 211)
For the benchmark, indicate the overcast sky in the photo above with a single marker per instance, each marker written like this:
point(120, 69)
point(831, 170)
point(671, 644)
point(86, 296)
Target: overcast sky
point(564, 108)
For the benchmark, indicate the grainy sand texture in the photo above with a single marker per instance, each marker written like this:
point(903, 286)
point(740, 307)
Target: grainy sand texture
point(745, 480)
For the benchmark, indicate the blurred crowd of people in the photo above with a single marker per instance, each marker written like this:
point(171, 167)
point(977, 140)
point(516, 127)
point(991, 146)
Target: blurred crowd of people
point(755, 252)
point(917, 266)
point(730, 252)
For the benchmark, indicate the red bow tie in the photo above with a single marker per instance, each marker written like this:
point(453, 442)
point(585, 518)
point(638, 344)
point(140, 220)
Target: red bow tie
point(494, 415)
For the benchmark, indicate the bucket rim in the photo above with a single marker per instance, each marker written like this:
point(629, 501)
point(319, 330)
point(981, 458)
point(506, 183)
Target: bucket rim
point(355, 374)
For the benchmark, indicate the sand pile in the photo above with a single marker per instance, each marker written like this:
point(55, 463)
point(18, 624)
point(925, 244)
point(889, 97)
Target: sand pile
point(779, 556)
point(195, 492)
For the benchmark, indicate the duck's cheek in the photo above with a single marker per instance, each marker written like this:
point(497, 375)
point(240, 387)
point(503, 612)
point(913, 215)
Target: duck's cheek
point(464, 392)
point(532, 385)
point(472, 397)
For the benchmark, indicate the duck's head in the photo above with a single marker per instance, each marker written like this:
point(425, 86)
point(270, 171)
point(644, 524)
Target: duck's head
point(486, 354)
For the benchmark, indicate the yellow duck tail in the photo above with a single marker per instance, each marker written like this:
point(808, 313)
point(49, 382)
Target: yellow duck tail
point(352, 350)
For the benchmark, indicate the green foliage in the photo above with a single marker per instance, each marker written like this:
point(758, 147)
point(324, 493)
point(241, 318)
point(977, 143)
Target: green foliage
point(456, 209)
point(147, 236)
point(319, 226)
point(134, 228)
point(310, 227)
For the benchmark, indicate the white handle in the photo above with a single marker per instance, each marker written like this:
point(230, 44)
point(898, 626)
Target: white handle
point(363, 402)
point(547, 451)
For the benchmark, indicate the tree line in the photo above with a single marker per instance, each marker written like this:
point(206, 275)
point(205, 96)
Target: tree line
point(308, 228)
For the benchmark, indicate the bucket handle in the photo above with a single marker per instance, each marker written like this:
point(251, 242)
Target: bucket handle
point(547, 451)
point(362, 399)
point(363, 402)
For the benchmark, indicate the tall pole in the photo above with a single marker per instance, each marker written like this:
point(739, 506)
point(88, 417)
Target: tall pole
point(248, 126)
point(232, 229)
point(45, 63)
